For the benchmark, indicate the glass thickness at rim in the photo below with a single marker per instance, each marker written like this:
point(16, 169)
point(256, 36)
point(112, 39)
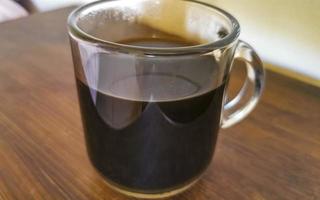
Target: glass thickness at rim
point(76, 32)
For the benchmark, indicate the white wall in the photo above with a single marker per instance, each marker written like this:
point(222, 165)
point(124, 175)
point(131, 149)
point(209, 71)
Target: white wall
point(45, 5)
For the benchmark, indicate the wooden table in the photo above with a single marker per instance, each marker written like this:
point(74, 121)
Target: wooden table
point(274, 154)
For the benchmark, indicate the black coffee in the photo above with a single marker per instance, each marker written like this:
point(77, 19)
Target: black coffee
point(154, 143)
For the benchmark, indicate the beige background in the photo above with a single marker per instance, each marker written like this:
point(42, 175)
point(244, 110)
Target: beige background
point(285, 33)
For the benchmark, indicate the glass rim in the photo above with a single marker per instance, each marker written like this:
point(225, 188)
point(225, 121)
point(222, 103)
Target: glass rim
point(75, 31)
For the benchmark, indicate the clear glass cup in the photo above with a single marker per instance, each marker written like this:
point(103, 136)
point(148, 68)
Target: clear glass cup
point(152, 78)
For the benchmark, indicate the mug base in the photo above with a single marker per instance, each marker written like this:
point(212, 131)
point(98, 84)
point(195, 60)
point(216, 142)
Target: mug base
point(151, 195)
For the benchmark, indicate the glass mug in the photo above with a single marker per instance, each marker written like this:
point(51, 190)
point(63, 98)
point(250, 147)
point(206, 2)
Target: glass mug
point(151, 78)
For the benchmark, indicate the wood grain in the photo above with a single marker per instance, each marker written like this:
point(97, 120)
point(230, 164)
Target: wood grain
point(274, 154)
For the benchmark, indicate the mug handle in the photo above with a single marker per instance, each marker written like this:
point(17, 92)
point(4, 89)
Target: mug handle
point(237, 109)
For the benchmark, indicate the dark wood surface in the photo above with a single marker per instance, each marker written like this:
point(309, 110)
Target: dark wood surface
point(273, 154)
